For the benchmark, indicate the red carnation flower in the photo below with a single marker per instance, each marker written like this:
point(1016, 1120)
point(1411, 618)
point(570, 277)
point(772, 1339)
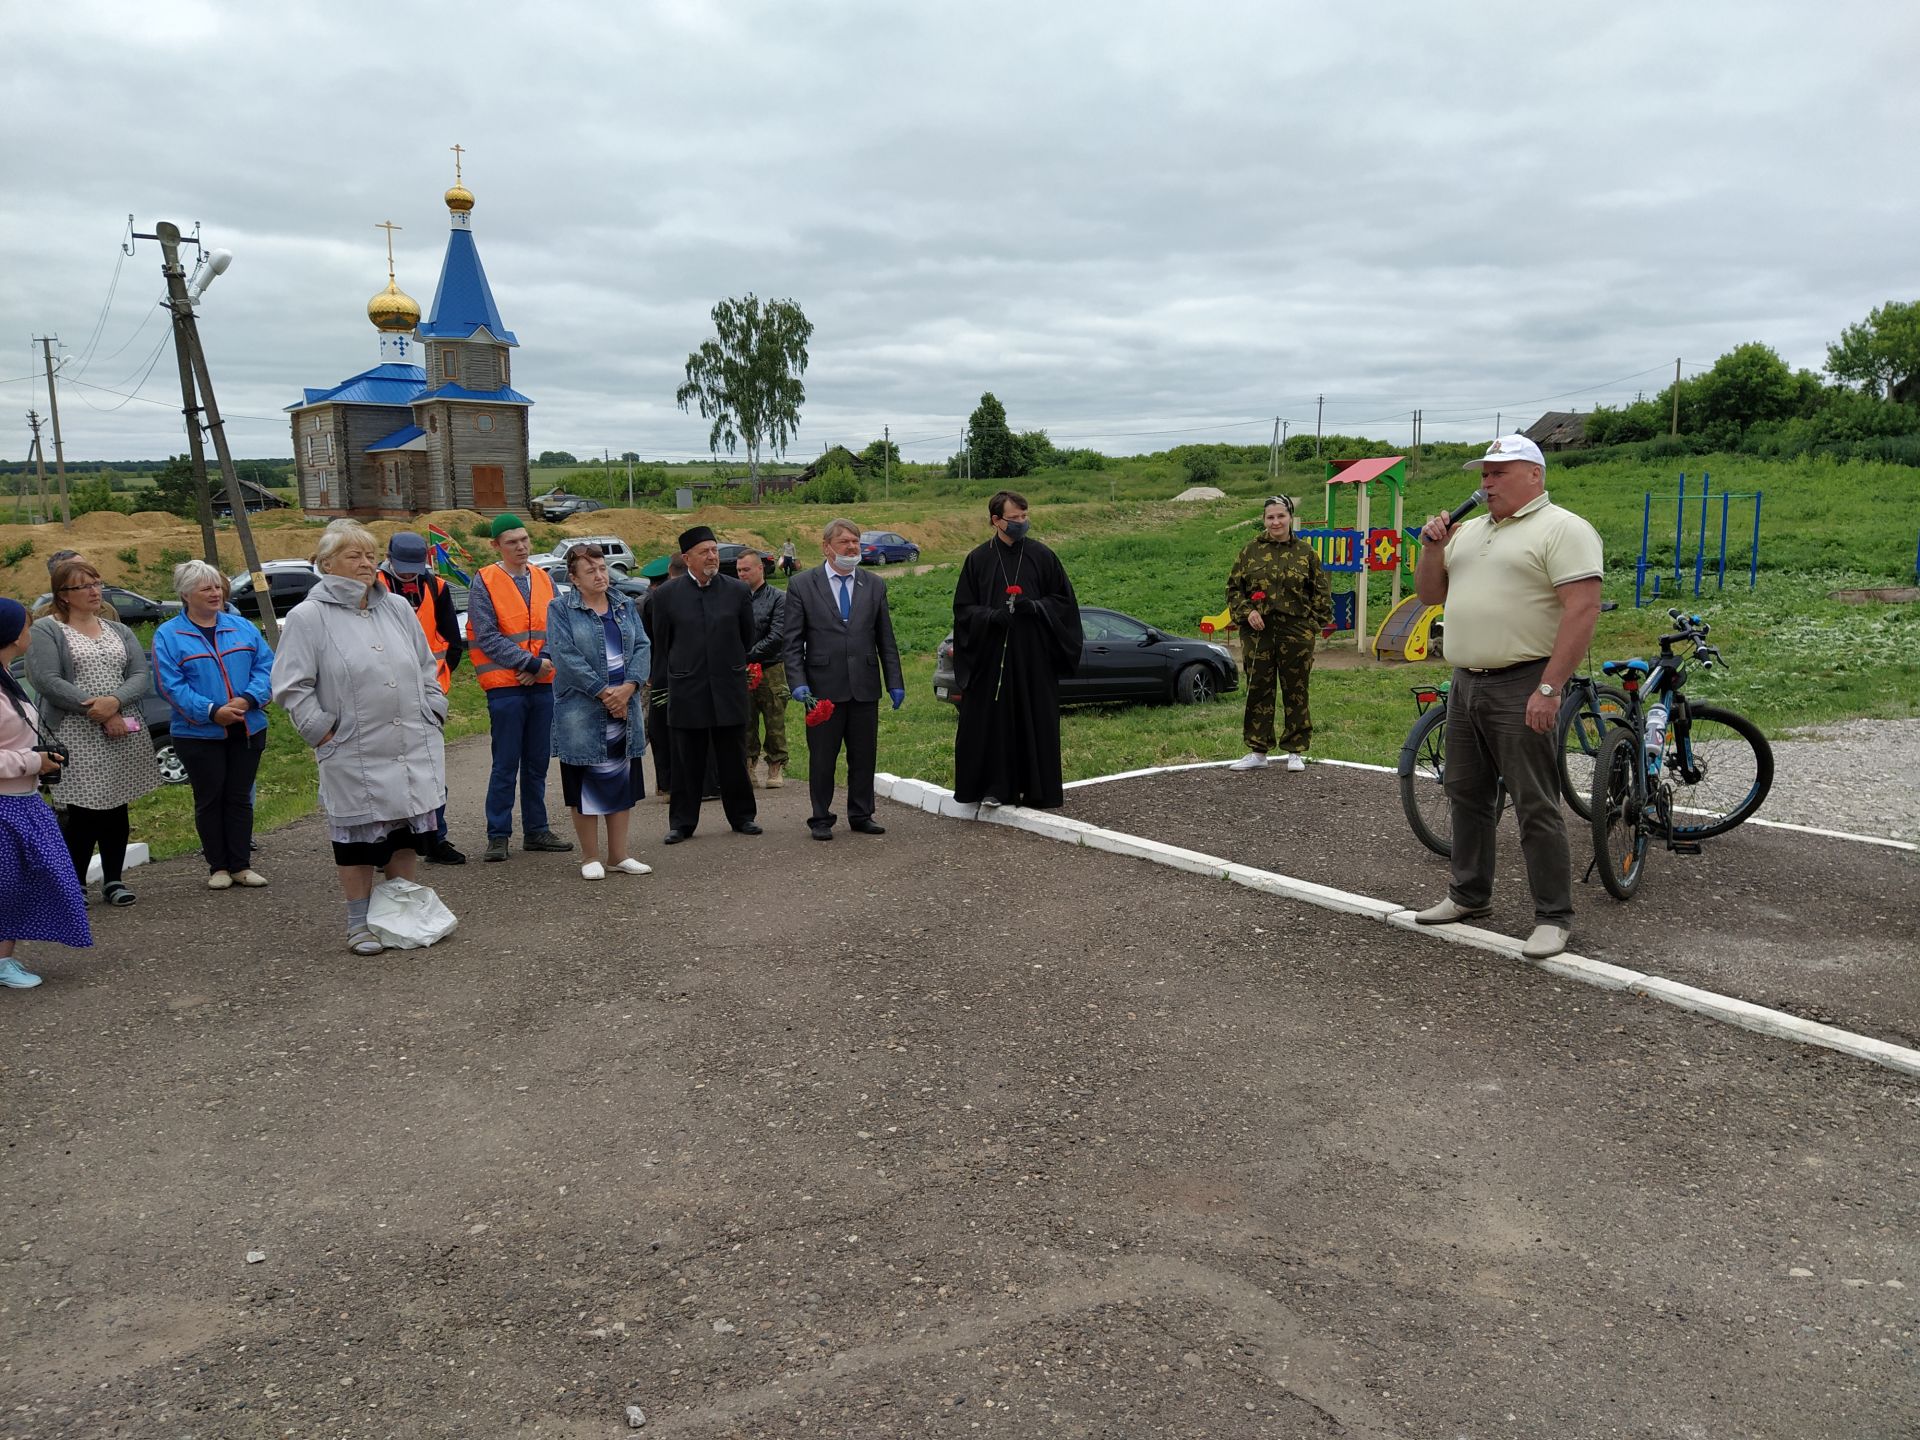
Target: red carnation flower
point(1014, 590)
point(1258, 596)
point(754, 675)
point(819, 713)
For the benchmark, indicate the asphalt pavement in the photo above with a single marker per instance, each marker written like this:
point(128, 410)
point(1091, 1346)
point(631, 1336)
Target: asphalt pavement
point(953, 1131)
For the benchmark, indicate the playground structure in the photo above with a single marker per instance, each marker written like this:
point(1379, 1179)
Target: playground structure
point(1682, 508)
point(1365, 548)
point(1361, 551)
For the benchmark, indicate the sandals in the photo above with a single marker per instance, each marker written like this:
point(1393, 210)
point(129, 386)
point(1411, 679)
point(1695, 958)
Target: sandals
point(115, 893)
point(365, 942)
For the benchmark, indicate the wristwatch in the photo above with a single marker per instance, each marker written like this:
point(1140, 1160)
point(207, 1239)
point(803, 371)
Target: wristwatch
point(1548, 690)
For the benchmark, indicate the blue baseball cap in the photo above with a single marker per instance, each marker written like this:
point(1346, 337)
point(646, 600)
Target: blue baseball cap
point(407, 553)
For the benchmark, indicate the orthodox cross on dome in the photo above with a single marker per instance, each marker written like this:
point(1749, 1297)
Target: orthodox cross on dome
point(458, 151)
point(389, 227)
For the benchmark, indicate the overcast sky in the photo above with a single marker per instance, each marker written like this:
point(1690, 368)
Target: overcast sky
point(1138, 225)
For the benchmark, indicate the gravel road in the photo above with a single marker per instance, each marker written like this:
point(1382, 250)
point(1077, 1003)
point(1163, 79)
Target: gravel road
point(1862, 776)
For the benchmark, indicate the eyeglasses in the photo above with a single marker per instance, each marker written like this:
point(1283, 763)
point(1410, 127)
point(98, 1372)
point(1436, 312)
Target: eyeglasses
point(90, 585)
point(585, 552)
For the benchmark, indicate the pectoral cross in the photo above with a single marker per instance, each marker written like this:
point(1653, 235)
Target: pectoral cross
point(389, 227)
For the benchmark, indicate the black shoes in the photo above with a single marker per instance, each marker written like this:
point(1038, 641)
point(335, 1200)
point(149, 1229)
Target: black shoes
point(866, 827)
point(748, 828)
point(819, 834)
point(674, 837)
point(443, 853)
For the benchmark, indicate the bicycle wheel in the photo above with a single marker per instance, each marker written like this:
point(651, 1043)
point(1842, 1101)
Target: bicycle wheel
point(1584, 722)
point(1423, 772)
point(1620, 817)
point(1721, 768)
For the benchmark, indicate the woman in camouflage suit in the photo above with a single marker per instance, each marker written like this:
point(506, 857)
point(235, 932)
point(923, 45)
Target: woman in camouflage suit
point(1279, 597)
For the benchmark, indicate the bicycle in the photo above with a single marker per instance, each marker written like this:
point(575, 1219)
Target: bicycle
point(1676, 770)
point(1587, 711)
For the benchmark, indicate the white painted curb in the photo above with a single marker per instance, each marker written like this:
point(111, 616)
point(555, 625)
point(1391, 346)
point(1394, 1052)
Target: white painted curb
point(1724, 1008)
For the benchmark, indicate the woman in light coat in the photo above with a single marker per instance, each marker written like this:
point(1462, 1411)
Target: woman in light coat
point(601, 658)
point(355, 677)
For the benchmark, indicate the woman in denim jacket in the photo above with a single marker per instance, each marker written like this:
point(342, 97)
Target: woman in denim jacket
point(215, 670)
point(601, 659)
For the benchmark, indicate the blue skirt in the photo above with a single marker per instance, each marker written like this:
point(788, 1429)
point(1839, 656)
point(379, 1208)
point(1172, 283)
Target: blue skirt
point(40, 896)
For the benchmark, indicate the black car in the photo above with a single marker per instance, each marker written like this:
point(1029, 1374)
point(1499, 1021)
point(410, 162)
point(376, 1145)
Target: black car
point(1122, 660)
point(155, 714)
point(131, 606)
point(559, 504)
point(730, 554)
point(290, 579)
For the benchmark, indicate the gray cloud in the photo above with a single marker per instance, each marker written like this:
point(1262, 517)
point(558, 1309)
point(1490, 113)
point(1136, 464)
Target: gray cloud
point(1119, 218)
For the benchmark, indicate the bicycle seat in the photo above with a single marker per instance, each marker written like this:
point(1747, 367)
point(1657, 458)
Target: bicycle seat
point(1625, 667)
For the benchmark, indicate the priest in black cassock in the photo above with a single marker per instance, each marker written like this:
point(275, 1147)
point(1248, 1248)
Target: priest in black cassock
point(1016, 632)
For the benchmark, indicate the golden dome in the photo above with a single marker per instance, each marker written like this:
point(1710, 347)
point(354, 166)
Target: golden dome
point(459, 197)
point(393, 310)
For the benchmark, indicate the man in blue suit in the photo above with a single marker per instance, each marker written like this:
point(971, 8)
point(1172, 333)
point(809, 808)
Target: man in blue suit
point(839, 646)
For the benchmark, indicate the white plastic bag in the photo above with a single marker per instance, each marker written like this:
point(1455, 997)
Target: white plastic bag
point(408, 916)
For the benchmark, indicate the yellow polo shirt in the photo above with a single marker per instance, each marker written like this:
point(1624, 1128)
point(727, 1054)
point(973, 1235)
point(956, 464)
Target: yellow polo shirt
point(1503, 579)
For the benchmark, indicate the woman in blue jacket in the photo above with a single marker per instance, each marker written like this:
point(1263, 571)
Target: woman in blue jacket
point(215, 670)
point(601, 658)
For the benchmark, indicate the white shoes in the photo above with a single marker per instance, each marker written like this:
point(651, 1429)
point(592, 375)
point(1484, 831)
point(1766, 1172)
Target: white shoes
point(1296, 763)
point(252, 879)
point(1252, 760)
point(1451, 912)
point(1545, 942)
point(219, 880)
point(630, 866)
point(593, 870)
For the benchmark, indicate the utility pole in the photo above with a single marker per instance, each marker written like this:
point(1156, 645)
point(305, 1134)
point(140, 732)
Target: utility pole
point(1273, 451)
point(59, 451)
point(1676, 397)
point(39, 460)
point(185, 329)
point(629, 482)
point(1319, 409)
point(197, 451)
point(1497, 431)
point(886, 462)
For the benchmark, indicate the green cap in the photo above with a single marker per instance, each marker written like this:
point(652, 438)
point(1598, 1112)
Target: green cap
point(503, 523)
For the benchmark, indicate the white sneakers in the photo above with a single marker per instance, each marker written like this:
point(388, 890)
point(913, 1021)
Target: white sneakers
point(1254, 760)
point(594, 870)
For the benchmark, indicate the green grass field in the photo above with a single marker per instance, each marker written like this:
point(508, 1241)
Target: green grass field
point(1795, 657)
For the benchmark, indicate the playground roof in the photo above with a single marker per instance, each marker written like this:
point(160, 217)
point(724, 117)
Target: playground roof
point(1359, 472)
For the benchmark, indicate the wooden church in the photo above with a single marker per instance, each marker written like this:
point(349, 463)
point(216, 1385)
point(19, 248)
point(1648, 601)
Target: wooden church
point(436, 424)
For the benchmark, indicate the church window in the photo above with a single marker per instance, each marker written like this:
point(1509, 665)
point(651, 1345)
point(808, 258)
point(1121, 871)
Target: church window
point(483, 422)
point(310, 445)
point(449, 367)
point(329, 446)
point(433, 424)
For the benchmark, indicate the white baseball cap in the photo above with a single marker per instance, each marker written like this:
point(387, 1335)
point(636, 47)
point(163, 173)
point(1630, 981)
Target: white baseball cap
point(1509, 447)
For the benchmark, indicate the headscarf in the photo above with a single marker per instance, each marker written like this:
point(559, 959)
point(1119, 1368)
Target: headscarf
point(13, 619)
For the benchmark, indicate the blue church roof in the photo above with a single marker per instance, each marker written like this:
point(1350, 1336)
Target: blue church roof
point(463, 303)
point(398, 440)
point(505, 395)
point(383, 385)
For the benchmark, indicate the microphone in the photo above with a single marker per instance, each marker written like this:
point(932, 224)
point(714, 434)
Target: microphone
point(1465, 508)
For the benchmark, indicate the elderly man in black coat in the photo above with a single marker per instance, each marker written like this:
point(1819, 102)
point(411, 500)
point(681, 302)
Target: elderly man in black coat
point(702, 629)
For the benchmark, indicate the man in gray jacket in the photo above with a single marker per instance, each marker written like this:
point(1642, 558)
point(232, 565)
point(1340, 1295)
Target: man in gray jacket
point(839, 640)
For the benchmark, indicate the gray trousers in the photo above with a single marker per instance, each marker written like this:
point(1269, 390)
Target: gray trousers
point(1488, 741)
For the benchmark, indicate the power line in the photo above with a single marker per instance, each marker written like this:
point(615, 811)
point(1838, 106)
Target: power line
point(100, 324)
point(152, 360)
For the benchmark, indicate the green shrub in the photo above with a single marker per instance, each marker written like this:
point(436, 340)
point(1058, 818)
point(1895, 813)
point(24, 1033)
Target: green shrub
point(15, 553)
point(834, 486)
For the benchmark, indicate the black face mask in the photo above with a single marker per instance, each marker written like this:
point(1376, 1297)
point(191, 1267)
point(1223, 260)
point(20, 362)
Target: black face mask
point(1017, 529)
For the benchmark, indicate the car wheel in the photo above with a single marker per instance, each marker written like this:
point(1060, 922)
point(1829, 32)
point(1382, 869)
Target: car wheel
point(172, 772)
point(1197, 685)
point(618, 572)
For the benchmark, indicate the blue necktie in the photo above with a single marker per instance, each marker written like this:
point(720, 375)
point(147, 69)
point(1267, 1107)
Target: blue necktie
point(846, 597)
